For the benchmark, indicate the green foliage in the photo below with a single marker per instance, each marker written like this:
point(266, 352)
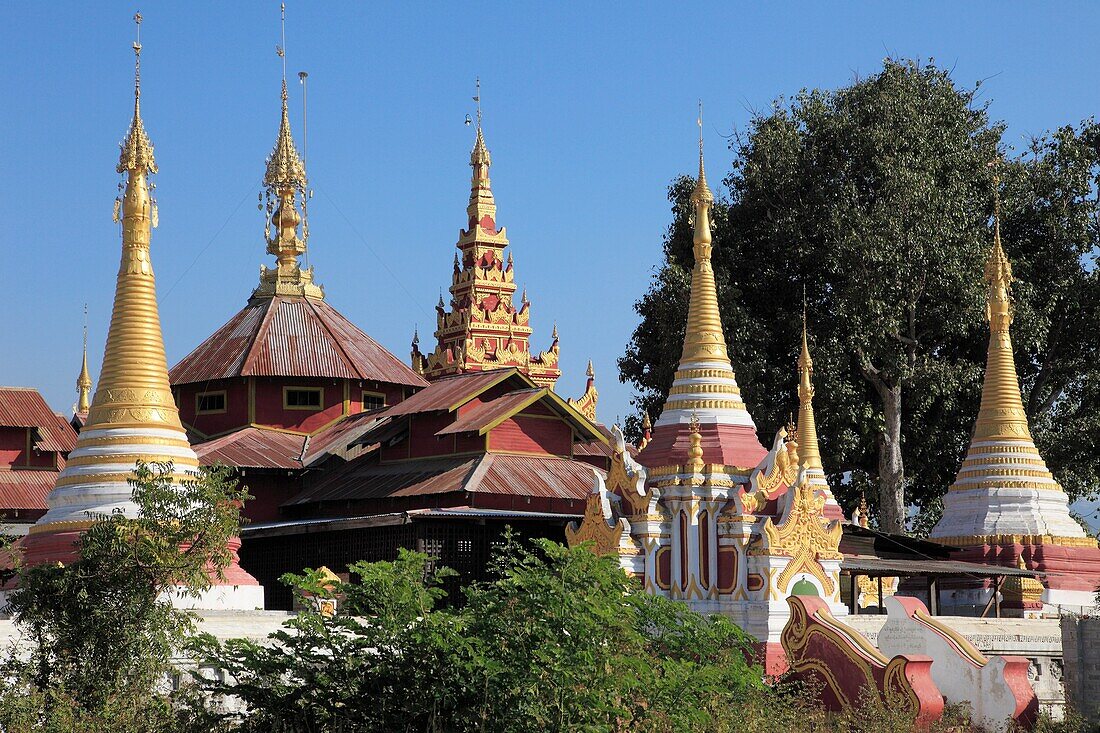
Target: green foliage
point(561, 640)
point(103, 627)
point(877, 199)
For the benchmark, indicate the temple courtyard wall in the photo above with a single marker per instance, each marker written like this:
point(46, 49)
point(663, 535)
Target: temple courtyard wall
point(1064, 655)
point(1037, 640)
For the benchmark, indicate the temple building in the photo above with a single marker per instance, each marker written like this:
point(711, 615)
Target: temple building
point(286, 367)
point(1005, 506)
point(133, 415)
point(484, 327)
point(706, 514)
point(34, 442)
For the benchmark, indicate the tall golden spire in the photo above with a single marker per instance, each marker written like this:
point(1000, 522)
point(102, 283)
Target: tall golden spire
point(137, 150)
point(482, 203)
point(704, 340)
point(285, 183)
point(1002, 409)
point(133, 383)
point(84, 381)
point(808, 451)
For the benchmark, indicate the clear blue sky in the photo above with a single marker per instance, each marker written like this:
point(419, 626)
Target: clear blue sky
point(589, 113)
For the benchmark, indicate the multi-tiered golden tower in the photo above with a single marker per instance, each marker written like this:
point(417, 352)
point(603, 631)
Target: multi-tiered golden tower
point(484, 327)
point(133, 416)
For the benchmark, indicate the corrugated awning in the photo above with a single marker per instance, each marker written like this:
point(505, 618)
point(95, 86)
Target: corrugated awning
point(886, 567)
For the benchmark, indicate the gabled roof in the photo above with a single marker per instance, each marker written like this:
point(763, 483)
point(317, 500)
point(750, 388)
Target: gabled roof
point(534, 476)
point(253, 447)
point(450, 393)
point(289, 336)
point(24, 407)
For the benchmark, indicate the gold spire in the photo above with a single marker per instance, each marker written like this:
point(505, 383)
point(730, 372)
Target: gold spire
point(704, 340)
point(482, 203)
point(285, 182)
point(133, 384)
point(806, 435)
point(84, 381)
point(137, 149)
point(1002, 409)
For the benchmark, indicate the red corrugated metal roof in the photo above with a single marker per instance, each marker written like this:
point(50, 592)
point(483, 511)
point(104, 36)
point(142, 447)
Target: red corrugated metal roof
point(492, 411)
point(446, 393)
point(534, 476)
point(24, 407)
point(287, 336)
point(335, 439)
point(365, 479)
point(253, 448)
point(25, 489)
point(543, 476)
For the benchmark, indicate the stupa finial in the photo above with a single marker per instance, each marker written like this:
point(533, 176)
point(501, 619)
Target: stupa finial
point(704, 339)
point(84, 380)
point(285, 185)
point(137, 149)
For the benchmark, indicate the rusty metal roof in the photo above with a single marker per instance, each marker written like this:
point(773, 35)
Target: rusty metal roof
point(494, 411)
point(253, 447)
point(24, 407)
point(879, 566)
point(365, 479)
point(285, 336)
point(534, 476)
point(25, 489)
point(450, 393)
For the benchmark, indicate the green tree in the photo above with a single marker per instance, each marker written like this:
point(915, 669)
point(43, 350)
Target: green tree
point(103, 627)
point(876, 198)
point(561, 640)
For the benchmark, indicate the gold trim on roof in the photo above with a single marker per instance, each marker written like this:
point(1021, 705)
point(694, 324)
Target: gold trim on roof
point(137, 149)
point(808, 450)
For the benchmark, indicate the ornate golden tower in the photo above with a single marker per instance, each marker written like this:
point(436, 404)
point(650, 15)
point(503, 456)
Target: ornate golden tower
point(84, 381)
point(285, 184)
point(1004, 498)
point(809, 453)
point(133, 416)
point(484, 328)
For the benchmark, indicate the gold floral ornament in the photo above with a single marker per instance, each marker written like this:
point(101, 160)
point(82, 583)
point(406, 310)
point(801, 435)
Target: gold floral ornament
point(599, 526)
point(804, 535)
point(778, 469)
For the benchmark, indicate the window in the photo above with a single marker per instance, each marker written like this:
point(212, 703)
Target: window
point(373, 401)
point(209, 402)
point(303, 398)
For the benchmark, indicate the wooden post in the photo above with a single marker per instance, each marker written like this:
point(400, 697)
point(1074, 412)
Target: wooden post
point(881, 600)
point(996, 593)
point(855, 594)
point(933, 596)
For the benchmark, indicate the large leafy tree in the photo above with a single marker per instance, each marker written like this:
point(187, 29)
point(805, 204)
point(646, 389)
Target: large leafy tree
point(875, 201)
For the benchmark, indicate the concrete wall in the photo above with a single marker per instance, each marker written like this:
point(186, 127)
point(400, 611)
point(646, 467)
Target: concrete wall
point(1081, 642)
point(1038, 640)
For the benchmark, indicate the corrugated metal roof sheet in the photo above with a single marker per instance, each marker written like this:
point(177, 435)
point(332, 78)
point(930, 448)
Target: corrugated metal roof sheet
point(366, 480)
point(253, 448)
point(291, 337)
point(543, 476)
point(24, 407)
point(905, 567)
point(443, 394)
point(491, 411)
point(25, 489)
point(534, 476)
point(336, 438)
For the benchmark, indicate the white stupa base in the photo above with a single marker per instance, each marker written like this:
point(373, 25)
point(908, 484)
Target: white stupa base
point(221, 598)
point(1023, 512)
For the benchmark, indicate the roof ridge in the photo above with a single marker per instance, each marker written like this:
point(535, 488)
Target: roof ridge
point(261, 329)
point(349, 363)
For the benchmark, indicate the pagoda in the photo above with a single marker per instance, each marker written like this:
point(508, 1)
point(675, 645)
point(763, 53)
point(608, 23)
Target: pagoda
point(484, 327)
point(132, 415)
point(288, 365)
point(705, 514)
point(1005, 505)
